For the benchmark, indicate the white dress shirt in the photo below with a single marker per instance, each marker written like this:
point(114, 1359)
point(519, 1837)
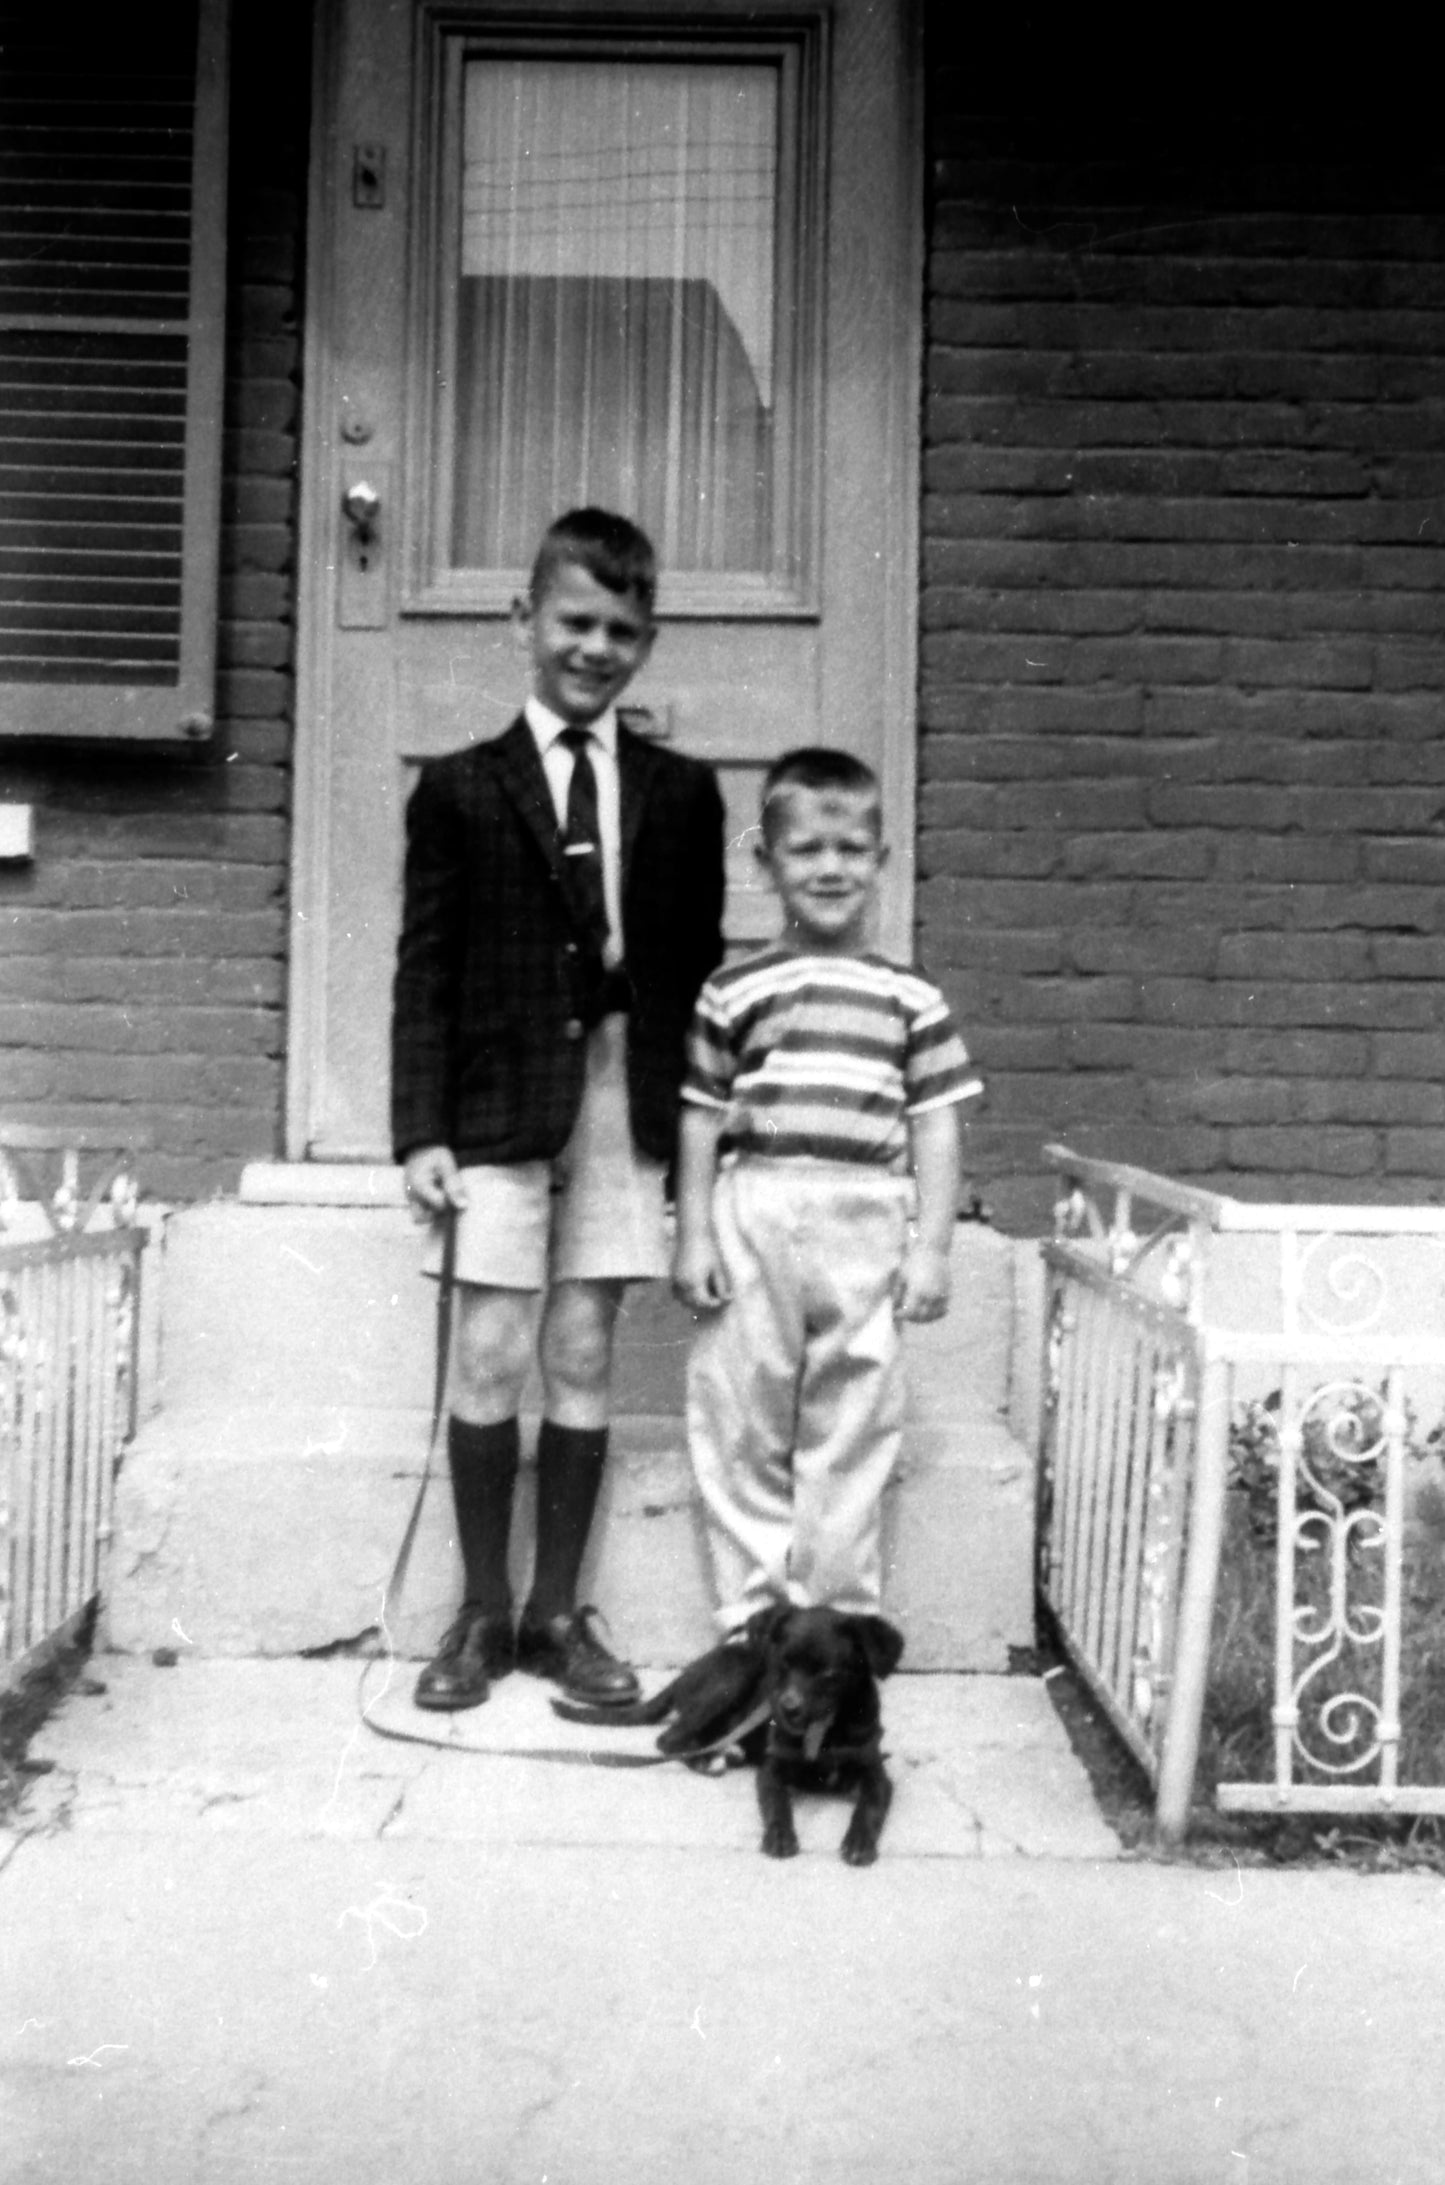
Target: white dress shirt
point(557, 764)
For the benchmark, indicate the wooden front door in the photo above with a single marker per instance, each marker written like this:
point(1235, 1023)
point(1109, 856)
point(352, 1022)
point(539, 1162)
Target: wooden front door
point(563, 254)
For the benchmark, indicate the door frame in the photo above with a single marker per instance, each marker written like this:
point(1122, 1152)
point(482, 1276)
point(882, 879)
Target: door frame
point(898, 254)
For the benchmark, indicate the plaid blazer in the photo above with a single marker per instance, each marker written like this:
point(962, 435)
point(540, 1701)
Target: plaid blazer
point(488, 1044)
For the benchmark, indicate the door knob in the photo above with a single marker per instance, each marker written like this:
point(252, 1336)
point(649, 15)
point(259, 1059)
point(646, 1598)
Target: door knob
point(361, 505)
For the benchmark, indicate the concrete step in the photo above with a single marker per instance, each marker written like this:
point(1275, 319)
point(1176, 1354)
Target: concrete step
point(260, 1508)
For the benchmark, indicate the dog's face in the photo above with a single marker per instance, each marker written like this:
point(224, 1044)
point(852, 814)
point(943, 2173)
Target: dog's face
point(822, 1665)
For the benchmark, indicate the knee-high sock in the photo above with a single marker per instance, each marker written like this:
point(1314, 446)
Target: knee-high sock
point(484, 1472)
point(569, 1474)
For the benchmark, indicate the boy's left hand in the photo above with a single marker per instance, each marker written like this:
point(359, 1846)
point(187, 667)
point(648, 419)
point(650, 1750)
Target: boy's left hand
point(922, 1289)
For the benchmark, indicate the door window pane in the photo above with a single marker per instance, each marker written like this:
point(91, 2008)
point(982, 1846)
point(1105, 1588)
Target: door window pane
point(615, 314)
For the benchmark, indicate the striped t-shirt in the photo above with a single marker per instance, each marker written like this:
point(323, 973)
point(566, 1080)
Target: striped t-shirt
point(825, 1057)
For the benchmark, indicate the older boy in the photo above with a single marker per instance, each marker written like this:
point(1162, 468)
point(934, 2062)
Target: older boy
point(828, 1080)
point(563, 898)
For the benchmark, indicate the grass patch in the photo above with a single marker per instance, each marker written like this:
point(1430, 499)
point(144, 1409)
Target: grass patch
point(1342, 1471)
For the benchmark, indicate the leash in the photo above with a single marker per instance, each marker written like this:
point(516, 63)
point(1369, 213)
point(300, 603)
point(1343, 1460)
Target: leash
point(557, 1755)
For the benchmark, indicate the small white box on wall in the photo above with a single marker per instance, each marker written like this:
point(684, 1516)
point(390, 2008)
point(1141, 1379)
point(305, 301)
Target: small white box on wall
point(17, 833)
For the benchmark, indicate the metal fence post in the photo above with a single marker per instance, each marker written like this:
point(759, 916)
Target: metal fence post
point(1180, 1754)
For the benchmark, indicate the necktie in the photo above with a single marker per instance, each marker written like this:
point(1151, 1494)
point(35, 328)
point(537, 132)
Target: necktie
point(582, 842)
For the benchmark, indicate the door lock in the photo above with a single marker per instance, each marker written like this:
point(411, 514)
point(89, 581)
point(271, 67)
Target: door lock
point(361, 505)
point(362, 575)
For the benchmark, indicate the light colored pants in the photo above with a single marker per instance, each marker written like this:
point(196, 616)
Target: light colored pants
point(795, 1387)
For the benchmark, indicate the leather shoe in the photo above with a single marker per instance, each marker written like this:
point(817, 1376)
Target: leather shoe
point(475, 1648)
point(567, 1649)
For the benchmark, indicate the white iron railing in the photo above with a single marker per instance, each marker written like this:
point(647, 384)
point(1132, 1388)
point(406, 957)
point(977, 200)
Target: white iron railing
point(69, 1299)
point(1181, 1327)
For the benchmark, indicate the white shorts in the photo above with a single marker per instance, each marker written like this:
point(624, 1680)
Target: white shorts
point(594, 1214)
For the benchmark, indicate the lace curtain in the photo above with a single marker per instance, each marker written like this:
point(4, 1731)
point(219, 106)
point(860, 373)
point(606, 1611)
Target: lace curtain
point(615, 306)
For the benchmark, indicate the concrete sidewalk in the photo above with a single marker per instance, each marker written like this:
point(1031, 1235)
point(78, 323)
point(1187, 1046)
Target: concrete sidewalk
point(246, 1940)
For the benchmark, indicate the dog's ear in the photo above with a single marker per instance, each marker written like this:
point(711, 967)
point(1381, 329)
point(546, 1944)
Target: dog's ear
point(882, 1643)
point(761, 1625)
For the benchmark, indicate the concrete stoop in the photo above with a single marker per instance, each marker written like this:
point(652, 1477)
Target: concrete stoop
point(260, 1506)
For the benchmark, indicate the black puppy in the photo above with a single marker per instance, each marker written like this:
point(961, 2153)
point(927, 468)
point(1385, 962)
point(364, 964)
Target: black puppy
point(825, 1733)
point(796, 1691)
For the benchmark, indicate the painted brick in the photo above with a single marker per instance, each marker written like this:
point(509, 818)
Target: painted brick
point(1368, 1100)
point(1103, 950)
point(1155, 1051)
point(264, 546)
point(1418, 858)
point(1421, 1151)
point(944, 942)
point(1226, 1101)
point(1014, 903)
point(1408, 1054)
point(1305, 1053)
point(123, 1028)
point(1140, 856)
point(1250, 662)
point(1147, 659)
point(1287, 858)
point(254, 645)
point(171, 981)
point(1293, 956)
point(120, 884)
point(253, 596)
point(182, 834)
point(1204, 805)
point(1333, 1152)
point(1055, 1102)
point(1266, 757)
point(29, 1075)
point(1406, 956)
point(1107, 805)
point(148, 933)
point(1010, 1051)
point(1067, 1001)
point(975, 854)
point(264, 403)
point(950, 767)
point(944, 710)
point(77, 1075)
point(259, 453)
point(1375, 1006)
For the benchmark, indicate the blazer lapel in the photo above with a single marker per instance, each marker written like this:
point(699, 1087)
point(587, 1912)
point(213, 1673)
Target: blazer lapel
point(520, 766)
point(636, 770)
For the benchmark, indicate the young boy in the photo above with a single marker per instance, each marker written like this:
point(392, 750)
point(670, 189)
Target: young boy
point(563, 899)
point(828, 1080)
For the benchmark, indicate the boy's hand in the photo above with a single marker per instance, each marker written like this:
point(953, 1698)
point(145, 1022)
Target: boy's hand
point(698, 1278)
point(923, 1284)
point(433, 1181)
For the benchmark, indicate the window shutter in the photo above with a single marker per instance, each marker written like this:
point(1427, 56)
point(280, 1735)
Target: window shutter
point(112, 292)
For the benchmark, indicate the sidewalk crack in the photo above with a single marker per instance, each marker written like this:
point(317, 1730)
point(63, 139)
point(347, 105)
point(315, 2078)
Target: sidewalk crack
point(395, 1811)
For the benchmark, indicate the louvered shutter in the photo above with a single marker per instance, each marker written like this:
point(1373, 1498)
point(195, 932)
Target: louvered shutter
point(112, 287)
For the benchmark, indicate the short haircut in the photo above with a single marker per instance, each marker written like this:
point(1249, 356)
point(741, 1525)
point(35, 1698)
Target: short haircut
point(610, 548)
point(821, 767)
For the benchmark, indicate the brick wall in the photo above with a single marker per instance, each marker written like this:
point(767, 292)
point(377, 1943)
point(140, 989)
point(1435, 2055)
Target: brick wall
point(142, 955)
point(1182, 803)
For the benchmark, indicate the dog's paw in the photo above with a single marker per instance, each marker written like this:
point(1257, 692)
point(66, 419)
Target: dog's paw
point(780, 1843)
point(858, 1850)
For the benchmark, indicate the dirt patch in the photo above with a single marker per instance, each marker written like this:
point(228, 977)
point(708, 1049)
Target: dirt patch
point(27, 1705)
